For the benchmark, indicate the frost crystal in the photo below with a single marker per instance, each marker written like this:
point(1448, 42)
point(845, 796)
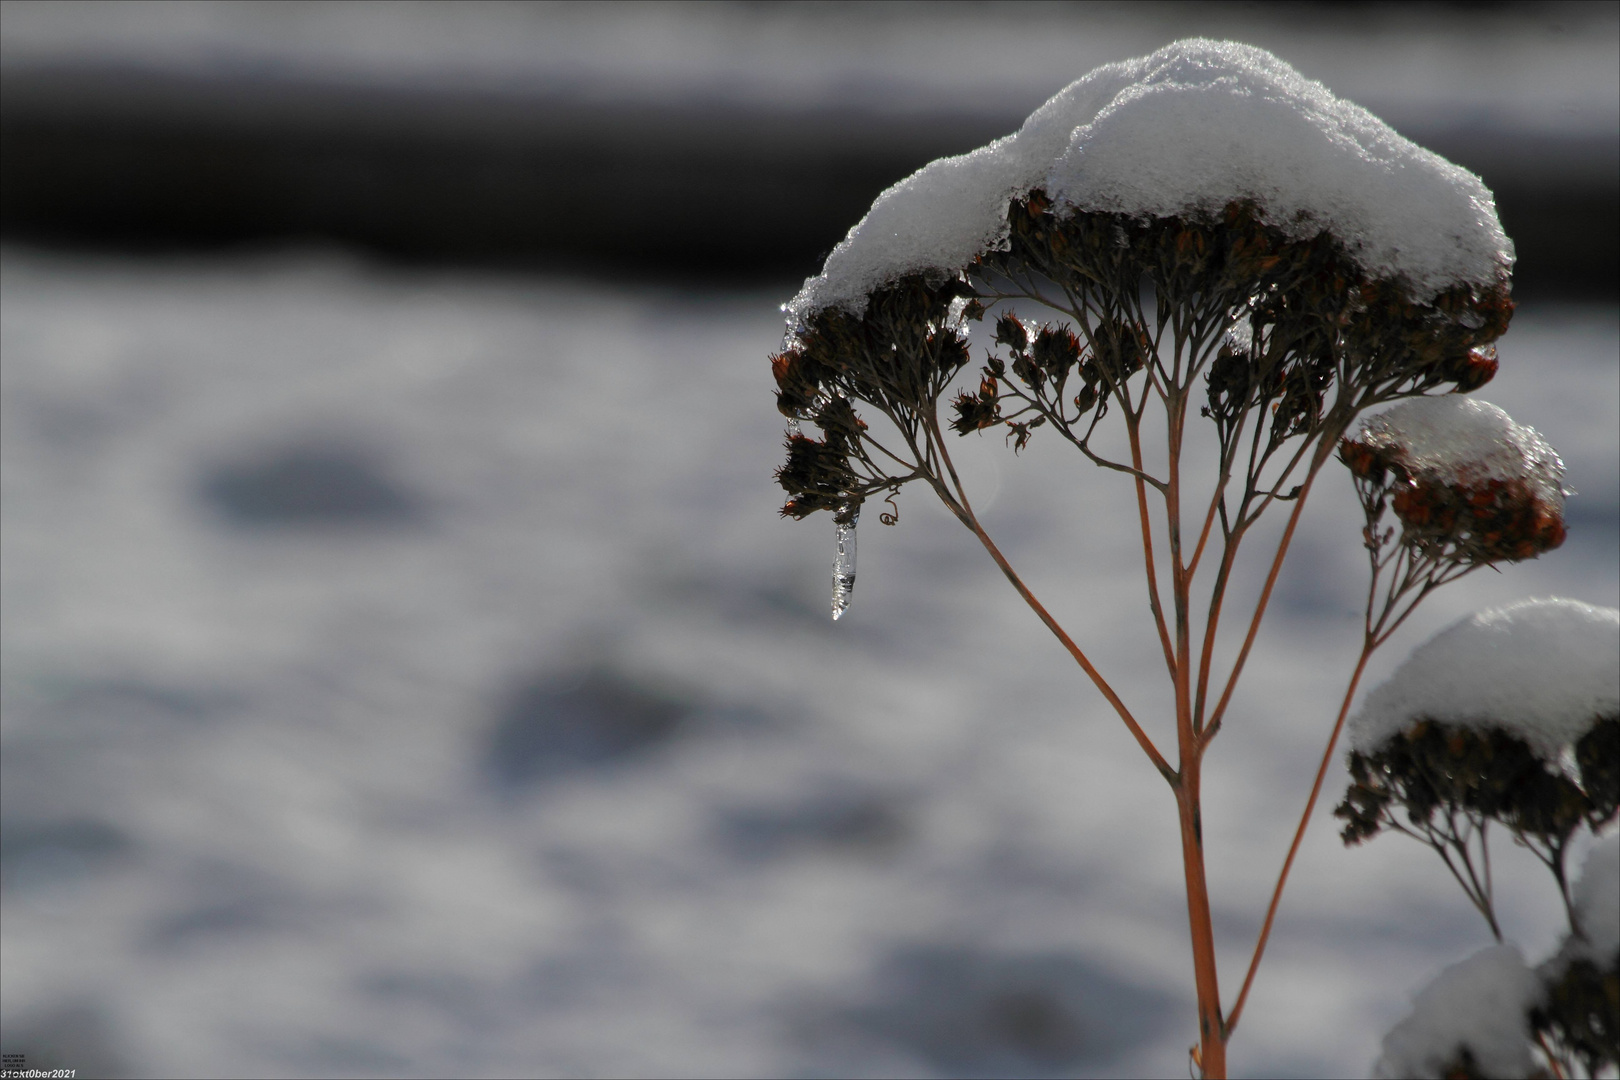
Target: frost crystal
point(1543, 670)
point(1477, 1006)
point(1187, 130)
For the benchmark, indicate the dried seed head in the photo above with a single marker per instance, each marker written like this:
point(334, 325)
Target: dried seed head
point(1010, 332)
point(796, 380)
point(975, 412)
point(817, 475)
point(1460, 472)
point(1055, 350)
point(1476, 368)
point(898, 355)
point(1579, 1010)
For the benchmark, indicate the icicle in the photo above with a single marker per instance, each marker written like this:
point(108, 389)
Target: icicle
point(792, 426)
point(843, 583)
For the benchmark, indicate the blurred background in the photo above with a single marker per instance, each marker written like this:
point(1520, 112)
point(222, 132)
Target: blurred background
point(403, 669)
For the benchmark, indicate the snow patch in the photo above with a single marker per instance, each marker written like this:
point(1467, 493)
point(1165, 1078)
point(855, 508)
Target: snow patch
point(1595, 898)
point(1478, 1004)
point(1540, 669)
point(1186, 130)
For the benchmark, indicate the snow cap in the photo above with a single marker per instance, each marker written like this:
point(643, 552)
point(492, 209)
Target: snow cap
point(1459, 441)
point(1186, 130)
point(1540, 669)
point(1595, 898)
point(1479, 1004)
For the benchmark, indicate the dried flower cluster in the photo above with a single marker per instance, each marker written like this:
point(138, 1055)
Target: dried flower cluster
point(898, 356)
point(1450, 781)
point(1579, 1015)
point(1445, 785)
point(1107, 288)
point(1279, 342)
point(1291, 331)
point(1461, 514)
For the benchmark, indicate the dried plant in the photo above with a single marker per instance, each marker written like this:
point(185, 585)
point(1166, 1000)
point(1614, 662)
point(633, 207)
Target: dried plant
point(1278, 342)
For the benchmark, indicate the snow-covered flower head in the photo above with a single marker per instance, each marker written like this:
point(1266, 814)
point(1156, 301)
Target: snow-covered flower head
point(1544, 669)
point(1346, 265)
point(1470, 1021)
point(1510, 715)
point(1460, 472)
point(1185, 132)
point(1582, 979)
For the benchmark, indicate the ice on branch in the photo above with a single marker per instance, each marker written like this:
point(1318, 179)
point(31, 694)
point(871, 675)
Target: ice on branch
point(1471, 1021)
point(1543, 670)
point(1460, 472)
point(1186, 131)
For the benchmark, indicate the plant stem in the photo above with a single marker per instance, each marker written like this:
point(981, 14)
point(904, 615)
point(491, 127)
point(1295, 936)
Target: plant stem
point(1035, 605)
point(1147, 547)
point(1552, 1060)
point(1211, 1035)
point(964, 513)
point(1317, 460)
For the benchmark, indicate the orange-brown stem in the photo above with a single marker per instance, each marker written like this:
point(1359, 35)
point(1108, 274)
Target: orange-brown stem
point(1189, 813)
point(1147, 550)
point(1035, 605)
point(1215, 718)
point(964, 512)
point(1552, 1062)
point(1209, 525)
point(1212, 620)
point(1211, 1034)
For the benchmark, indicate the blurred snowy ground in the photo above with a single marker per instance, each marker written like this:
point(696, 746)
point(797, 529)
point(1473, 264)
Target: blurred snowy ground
point(408, 675)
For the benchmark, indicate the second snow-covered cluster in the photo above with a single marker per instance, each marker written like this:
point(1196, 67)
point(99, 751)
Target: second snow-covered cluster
point(1540, 669)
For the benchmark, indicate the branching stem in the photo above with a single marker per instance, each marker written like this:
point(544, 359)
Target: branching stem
point(1323, 449)
point(964, 513)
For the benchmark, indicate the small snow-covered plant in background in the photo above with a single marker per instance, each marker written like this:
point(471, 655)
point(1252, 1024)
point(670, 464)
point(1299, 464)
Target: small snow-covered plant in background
point(1577, 1020)
point(1493, 1016)
point(1478, 1005)
point(1511, 718)
point(1201, 235)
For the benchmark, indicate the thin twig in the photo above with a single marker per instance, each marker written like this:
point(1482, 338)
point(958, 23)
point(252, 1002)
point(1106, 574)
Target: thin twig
point(1148, 560)
point(965, 514)
point(1214, 724)
point(1552, 1060)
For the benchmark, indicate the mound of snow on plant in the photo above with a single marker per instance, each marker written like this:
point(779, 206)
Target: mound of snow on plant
point(1478, 1004)
point(1541, 669)
point(1595, 895)
point(1186, 130)
point(1453, 440)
